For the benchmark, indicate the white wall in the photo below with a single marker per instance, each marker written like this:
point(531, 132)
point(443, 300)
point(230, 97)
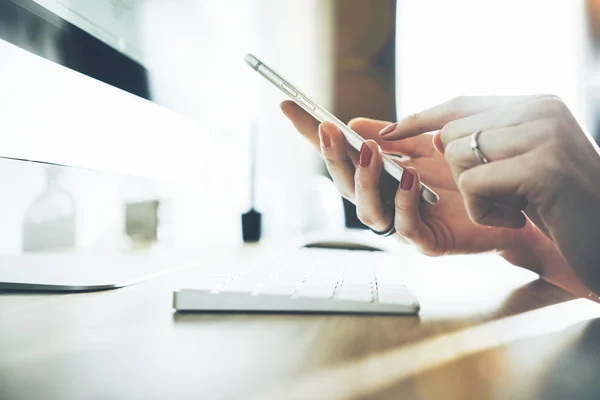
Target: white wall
point(200, 46)
point(493, 47)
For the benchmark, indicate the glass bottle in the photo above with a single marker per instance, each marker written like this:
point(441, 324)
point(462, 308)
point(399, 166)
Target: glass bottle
point(49, 223)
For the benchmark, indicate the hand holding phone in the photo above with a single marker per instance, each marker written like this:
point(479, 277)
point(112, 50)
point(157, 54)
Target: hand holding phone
point(322, 115)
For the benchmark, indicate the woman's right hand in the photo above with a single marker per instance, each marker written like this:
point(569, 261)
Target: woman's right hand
point(537, 164)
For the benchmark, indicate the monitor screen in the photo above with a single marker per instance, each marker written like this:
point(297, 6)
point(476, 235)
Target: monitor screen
point(80, 35)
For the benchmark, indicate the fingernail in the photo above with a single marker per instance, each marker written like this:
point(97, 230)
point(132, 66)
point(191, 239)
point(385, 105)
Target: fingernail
point(365, 155)
point(406, 182)
point(388, 129)
point(325, 141)
point(437, 143)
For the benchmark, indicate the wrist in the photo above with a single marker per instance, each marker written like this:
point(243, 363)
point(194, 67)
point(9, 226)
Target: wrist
point(534, 251)
point(527, 249)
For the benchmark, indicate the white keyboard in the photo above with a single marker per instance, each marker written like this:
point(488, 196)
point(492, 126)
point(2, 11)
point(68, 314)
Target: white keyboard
point(305, 280)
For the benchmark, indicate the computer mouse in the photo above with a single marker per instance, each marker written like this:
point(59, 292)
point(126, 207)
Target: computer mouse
point(352, 239)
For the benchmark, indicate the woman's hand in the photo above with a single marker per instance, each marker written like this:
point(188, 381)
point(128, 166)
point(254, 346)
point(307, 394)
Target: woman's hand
point(442, 229)
point(541, 165)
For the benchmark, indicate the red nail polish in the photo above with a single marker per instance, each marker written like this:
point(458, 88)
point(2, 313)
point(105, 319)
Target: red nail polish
point(325, 141)
point(388, 129)
point(365, 155)
point(406, 182)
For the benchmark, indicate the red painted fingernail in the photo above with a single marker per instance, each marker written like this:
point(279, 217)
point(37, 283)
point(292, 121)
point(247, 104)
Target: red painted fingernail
point(365, 155)
point(406, 182)
point(388, 129)
point(325, 141)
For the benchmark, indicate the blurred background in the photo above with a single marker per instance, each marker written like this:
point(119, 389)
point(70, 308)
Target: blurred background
point(188, 140)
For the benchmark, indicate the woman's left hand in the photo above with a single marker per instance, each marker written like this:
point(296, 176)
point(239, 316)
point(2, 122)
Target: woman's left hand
point(541, 164)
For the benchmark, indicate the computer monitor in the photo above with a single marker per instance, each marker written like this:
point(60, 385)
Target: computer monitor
point(90, 161)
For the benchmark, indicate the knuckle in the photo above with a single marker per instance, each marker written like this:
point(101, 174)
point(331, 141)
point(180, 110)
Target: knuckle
point(549, 96)
point(414, 117)
point(363, 217)
point(464, 182)
point(400, 209)
point(560, 127)
point(346, 194)
point(457, 102)
point(430, 252)
point(330, 159)
point(554, 130)
point(450, 152)
point(404, 231)
point(364, 183)
point(456, 106)
point(446, 133)
point(552, 105)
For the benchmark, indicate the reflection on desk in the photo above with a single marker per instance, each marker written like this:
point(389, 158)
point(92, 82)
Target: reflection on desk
point(486, 330)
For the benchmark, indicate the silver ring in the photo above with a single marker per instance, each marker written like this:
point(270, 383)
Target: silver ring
point(476, 150)
point(387, 232)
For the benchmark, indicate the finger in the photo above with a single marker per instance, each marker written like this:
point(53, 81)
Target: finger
point(308, 126)
point(508, 177)
point(370, 128)
point(305, 123)
point(407, 218)
point(487, 212)
point(435, 118)
point(337, 160)
point(370, 207)
point(506, 117)
point(460, 157)
point(496, 144)
point(485, 186)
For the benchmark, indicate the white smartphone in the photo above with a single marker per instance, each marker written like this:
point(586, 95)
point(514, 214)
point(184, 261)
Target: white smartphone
point(323, 115)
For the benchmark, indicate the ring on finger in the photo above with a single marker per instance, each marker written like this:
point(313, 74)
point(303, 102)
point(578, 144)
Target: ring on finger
point(388, 232)
point(475, 147)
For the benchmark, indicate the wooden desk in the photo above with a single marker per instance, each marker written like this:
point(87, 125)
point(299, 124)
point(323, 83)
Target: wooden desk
point(486, 330)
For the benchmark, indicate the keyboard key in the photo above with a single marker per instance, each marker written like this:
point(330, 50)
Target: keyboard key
point(394, 298)
point(239, 287)
point(281, 290)
point(321, 294)
point(355, 296)
point(355, 292)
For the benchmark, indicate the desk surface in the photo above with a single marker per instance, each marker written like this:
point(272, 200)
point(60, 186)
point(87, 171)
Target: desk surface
point(486, 330)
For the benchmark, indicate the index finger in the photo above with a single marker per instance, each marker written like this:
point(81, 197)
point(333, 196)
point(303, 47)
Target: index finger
point(308, 126)
point(305, 123)
point(436, 117)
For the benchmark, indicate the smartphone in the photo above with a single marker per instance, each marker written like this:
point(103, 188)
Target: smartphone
point(322, 115)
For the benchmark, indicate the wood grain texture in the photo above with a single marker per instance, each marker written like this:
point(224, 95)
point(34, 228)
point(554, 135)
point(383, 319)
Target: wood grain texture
point(486, 330)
